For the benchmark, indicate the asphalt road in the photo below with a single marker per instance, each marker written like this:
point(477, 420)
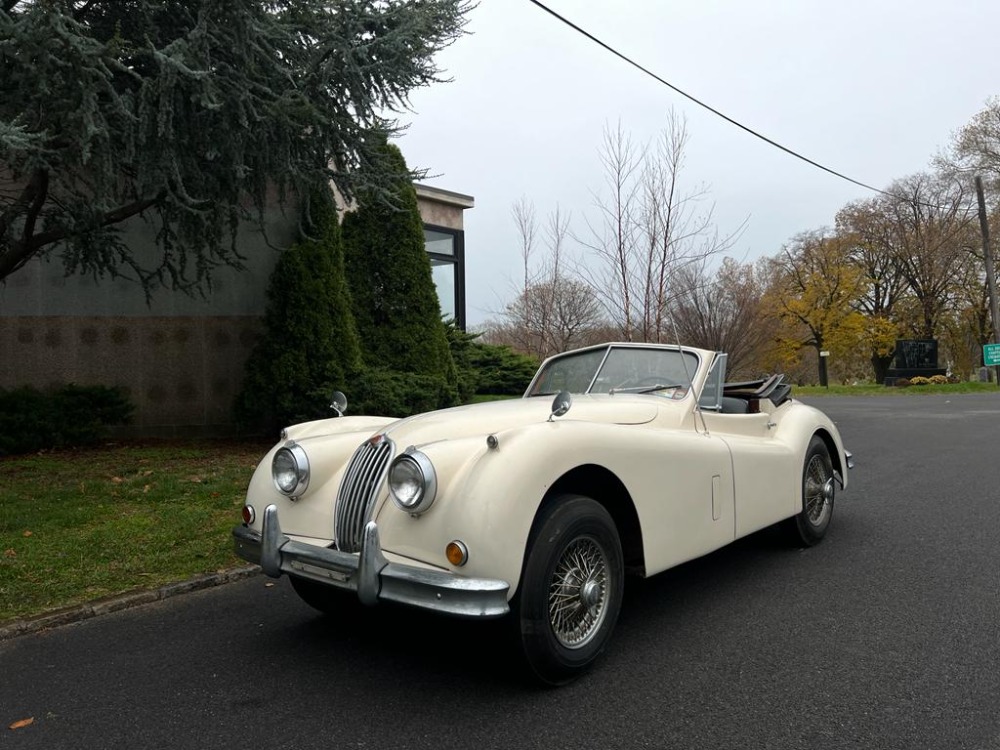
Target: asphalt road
point(884, 636)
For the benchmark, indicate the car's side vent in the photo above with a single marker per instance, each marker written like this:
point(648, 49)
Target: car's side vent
point(357, 494)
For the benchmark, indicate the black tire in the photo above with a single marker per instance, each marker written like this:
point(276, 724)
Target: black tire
point(326, 599)
point(574, 555)
point(818, 490)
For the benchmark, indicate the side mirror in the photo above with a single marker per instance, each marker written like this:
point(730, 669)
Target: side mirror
point(338, 402)
point(561, 404)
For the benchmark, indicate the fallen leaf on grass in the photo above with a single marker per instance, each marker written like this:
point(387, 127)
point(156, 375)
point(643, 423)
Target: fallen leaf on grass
point(9, 553)
point(26, 533)
point(195, 479)
point(22, 723)
point(117, 480)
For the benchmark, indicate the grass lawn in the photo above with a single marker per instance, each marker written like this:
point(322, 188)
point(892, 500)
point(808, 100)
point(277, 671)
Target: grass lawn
point(77, 525)
point(872, 389)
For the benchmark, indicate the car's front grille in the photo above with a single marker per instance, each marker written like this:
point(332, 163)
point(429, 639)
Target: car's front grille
point(358, 491)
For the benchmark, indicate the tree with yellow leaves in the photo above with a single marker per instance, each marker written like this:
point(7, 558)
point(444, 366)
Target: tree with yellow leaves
point(813, 292)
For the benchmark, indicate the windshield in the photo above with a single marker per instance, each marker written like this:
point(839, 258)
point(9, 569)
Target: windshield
point(620, 368)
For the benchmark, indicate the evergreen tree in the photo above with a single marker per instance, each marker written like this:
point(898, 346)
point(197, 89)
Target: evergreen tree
point(396, 308)
point(191, 113)
point(310, 346)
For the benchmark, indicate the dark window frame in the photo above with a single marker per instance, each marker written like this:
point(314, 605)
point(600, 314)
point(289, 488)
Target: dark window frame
point(457, 259)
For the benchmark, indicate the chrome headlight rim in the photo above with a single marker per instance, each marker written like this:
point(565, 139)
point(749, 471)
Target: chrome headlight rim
point(291, 484)
point(419, 465)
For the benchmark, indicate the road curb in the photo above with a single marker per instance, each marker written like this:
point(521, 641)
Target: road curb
point(122, 601)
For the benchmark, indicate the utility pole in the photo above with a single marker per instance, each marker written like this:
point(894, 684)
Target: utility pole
point(991, 283)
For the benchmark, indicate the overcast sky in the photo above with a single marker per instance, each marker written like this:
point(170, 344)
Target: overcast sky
point(870, 88)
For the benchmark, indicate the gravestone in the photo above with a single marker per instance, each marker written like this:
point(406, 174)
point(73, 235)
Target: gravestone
point(913, 358)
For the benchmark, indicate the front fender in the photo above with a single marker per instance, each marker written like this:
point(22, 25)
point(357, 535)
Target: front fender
point(329, 451)
point(492, 496)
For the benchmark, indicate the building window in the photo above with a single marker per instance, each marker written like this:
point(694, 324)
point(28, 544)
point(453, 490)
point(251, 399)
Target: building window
point(446, 248)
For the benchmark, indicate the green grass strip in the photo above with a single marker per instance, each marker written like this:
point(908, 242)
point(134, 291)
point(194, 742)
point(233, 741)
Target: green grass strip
point(872, 389)
point(78, 525)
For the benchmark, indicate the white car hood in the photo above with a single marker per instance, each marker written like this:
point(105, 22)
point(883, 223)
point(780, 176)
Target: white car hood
point(497, 416)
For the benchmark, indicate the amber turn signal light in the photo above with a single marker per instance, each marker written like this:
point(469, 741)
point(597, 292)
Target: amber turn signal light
point(457, 553)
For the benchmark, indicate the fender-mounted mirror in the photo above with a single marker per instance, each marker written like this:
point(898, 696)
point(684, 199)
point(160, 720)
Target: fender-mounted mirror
point(561, 404)
point(338, 402)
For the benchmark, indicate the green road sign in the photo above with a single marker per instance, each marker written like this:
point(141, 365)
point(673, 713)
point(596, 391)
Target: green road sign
point(991, 354)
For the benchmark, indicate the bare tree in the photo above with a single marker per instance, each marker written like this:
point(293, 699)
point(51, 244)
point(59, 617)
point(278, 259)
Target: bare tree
point(975, 149)
point(929, 223)
point(549, 317)
point(523, 213)
point(722, 310)
point(614, 243)
point(552, 311)
point(650, 228)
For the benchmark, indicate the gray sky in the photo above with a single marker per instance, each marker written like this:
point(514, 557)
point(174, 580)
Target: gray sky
point(871, 89)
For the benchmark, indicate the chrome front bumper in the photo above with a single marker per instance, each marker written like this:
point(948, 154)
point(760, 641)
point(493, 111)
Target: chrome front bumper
point(369, 573)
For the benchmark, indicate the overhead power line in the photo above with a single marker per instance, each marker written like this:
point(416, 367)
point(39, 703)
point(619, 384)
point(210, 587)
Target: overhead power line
point(711, 109)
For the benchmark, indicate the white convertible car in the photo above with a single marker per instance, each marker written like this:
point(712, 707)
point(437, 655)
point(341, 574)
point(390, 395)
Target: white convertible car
point(620, 458)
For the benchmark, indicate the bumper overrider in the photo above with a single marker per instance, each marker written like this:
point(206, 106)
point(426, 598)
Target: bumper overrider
point(368, 573)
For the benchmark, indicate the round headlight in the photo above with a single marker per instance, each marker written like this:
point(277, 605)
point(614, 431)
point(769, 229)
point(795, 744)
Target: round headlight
point(412, 481)
point(290, 470)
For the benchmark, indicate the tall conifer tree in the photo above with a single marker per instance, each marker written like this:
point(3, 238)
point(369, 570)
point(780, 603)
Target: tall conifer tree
point(309, 347)
point(396, 307)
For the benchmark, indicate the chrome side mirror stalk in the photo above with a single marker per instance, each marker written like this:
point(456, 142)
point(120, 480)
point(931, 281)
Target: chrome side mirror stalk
point(338, 402)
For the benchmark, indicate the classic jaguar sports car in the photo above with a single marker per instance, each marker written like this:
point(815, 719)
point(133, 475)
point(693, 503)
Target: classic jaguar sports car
point(620, 458)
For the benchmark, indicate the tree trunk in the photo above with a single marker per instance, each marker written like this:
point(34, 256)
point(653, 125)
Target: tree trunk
point(880, 366)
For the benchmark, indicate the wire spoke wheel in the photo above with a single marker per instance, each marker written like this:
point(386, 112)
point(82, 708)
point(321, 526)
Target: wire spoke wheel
point(818, 490)
point(578, 593)
point(810, 525)
point(571, 588)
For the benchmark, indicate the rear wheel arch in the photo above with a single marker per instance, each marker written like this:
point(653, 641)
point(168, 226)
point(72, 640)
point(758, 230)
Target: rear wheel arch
point(831, 446)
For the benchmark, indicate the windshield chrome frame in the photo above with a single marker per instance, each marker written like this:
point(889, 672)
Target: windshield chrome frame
point(692, 376)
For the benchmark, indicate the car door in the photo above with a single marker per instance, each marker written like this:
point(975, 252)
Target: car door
point(758, 459)
point(683, 485)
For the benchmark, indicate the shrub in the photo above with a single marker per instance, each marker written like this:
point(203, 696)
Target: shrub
point(939, 379)
point(501, 370)
point(64, 417)
point(310, 346)
point(902, 383)
point(390, 393)
point(920, 380)
point(487, 369)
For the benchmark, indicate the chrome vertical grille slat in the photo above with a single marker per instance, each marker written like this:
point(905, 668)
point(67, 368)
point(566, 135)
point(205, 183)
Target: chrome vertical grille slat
point(357, 493)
